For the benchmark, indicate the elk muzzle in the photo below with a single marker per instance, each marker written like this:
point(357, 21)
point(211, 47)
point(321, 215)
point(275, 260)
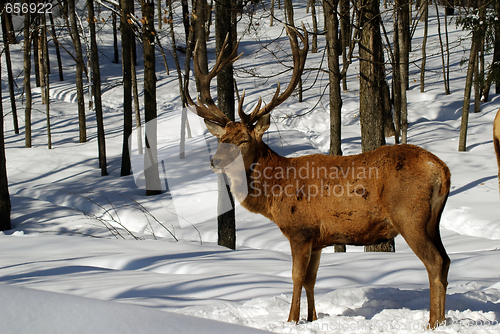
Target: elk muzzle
point(226, 154)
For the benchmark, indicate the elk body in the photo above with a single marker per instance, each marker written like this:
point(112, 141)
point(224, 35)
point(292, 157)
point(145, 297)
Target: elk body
point(496, 140)
point(320, 200)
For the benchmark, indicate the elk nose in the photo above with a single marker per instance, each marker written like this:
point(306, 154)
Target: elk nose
point(215, 163)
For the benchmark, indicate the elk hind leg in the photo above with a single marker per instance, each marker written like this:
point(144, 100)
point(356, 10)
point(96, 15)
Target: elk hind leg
point(301, 255)
point(309, 283)
point(427, 245)
point(438, 275)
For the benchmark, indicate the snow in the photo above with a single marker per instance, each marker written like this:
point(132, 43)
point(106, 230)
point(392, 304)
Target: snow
point(85, 254)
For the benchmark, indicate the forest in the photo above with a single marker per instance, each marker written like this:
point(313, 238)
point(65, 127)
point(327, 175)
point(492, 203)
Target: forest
point(108, 201)
point(148, 35)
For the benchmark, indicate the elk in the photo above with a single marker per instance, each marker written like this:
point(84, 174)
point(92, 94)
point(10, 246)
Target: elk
point(320, 200)
point(496, 140)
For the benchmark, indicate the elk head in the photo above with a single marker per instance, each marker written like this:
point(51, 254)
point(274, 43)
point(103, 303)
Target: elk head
point(245, 136)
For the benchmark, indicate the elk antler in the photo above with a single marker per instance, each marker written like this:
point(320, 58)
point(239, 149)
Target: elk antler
point(206, 107)
point(299, 60)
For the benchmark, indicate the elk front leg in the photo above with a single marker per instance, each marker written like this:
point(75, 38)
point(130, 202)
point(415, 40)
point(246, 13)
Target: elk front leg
point(309, 283)
point(301, 256)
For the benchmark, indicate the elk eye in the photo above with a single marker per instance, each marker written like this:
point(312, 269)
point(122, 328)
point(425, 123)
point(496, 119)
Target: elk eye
point(243, 142)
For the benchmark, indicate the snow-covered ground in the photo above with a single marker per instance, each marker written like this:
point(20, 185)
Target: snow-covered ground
point(72, 264)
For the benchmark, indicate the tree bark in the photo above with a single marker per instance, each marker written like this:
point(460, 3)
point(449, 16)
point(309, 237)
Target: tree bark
point(56, 44)
point(403, 69)
point(96, 90)
point(462, 145)
point(396, 80)
point(371, 77)
point(226, 100)
point(314, 46)
point(127, 36)
point(345, 33)
point(496, 49)
point(80, 95)
point(116, 56)
point(5, 206)
point(333, 46)
point(46, 72)
point(151, 173)
point(34, 38)
point(405, 40)
point(446, 87)
point(27, 81)
point(289, 12)
point(11, 34)
point(137, 107)
point(185, 19)
point(12, 93)
point(371, 93)
point(201, 37)
point(425, 18)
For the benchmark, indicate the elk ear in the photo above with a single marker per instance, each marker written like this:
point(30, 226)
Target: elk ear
point(262, 125)
point(215, 129)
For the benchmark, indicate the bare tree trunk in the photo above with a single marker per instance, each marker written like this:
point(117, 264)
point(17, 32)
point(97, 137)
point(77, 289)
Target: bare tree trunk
point(9, 72)
point(137, 108)
point(314, 46)
point(289, 12)
point(462, 145)
point(151, 173)
point(41, 67)
point(200, 36)
point(116, 57)
point(80, 94)
point(425, 18)
point(405, 38)
point(5, 206)
point(403, 68)
point(185, 19)
point(45, 65)
point(447, 51)
point(226, 100)
point(371, 96)
point(345, 35)
point(496, 50)
point(11, 34)
point(272, 13)
point(34, 38)
point(396, 79)
point(446, 88)
point(333, 46)
point(127, 36)
point(159, 15)
point(56, 44)
point(480, 78)
point(371, 75)
point(27, 81)
point(174, 52)
point(96, 90)
point(477, 85)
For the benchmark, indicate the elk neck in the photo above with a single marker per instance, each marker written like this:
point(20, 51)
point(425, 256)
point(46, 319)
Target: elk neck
point(259, 183)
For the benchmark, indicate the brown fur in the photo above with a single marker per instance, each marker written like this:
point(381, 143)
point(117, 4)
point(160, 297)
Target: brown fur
point(496, 140)
point(405, 194)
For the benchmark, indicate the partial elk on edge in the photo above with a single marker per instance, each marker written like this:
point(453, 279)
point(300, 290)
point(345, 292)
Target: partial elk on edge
point(319, 200)
point(496, 141)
